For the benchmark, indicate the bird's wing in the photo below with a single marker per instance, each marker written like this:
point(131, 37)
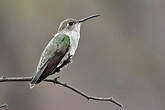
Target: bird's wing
point(51, 57)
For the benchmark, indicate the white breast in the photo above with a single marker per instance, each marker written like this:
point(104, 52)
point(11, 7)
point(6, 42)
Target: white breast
point(74, 36)
point(74, 39)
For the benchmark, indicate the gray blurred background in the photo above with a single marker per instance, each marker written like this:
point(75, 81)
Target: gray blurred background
point(121, 53)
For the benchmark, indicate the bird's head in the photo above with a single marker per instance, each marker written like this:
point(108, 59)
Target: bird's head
point(71, 24)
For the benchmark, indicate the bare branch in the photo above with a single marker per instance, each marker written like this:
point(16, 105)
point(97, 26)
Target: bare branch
point(55, 81)
point(3, 105)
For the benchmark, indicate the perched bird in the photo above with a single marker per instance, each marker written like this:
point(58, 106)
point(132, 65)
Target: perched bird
point(59, 50)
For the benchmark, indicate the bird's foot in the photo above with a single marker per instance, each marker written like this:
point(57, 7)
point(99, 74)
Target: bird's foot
point(58, 69)
point(56, 79)
point(68, 60)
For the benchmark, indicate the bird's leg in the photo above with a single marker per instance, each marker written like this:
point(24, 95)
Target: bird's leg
point(67, 61)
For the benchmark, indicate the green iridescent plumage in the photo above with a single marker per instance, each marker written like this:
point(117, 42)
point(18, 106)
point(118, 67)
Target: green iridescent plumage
point(51, 57)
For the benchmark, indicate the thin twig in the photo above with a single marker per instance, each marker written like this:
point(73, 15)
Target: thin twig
point(55, 81)
point(3, 105)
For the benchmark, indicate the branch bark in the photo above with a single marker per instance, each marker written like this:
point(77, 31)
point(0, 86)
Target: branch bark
point(56, 81)
point(3, 105)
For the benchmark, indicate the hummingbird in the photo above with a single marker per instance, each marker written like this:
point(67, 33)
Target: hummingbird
point(60, 49)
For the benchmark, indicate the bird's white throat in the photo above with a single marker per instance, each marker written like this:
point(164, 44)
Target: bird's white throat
point(74, 38)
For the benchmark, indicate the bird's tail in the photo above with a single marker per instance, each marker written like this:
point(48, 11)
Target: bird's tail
point(31, 85)
point(35, 80)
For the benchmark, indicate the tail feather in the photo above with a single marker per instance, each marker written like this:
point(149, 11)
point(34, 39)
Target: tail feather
point(35, 80)
point(32, 85)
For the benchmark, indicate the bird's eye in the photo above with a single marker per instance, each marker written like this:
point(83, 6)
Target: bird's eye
point(70, 23)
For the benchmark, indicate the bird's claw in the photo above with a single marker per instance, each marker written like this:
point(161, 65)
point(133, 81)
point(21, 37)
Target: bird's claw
point(68, 60)
point(56, 78)
point(58, 69)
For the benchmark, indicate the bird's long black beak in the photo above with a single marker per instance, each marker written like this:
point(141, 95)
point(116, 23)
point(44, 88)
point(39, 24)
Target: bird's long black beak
point(87, 18)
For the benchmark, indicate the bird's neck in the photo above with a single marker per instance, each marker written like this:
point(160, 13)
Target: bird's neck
point(74, 36)
point(74, 40)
